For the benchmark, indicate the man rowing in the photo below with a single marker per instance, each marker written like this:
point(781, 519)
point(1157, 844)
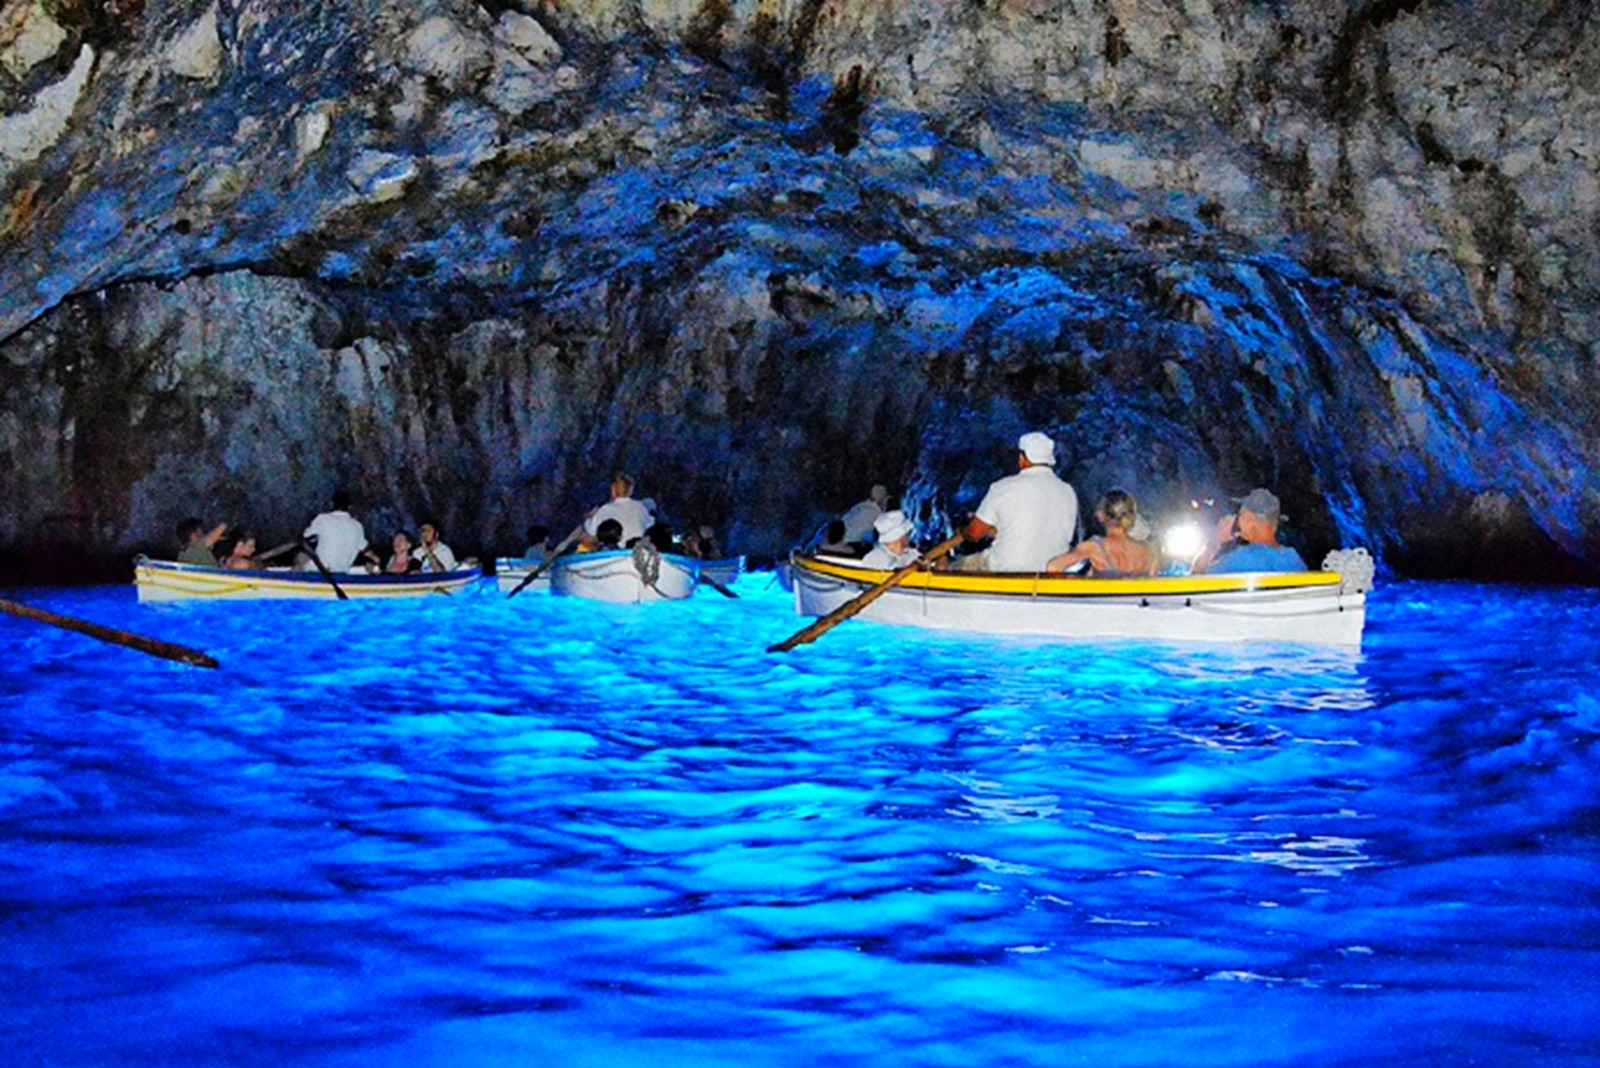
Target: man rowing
point(337, 536)
point(634, 518)
point(1032, 515)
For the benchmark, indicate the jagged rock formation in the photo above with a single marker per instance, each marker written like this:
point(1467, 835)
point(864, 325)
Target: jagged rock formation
point(467, 258)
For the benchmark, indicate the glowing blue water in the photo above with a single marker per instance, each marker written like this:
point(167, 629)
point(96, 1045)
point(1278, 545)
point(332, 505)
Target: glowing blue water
point(478, 832)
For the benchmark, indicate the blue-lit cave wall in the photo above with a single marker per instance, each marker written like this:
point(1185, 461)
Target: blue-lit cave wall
point(465, 259)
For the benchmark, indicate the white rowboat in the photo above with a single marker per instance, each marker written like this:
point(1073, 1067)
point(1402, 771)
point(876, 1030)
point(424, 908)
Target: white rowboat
point(1315, 607)
point(166, 580)
point(624, 576)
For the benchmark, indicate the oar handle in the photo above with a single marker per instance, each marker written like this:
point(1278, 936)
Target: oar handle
point(166, 650)
point(861, 600)
point(323, 570)
point(577, 532)
point(277, 551)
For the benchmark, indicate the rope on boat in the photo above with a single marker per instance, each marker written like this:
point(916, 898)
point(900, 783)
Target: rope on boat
point(647, 561)
point(1354, 567)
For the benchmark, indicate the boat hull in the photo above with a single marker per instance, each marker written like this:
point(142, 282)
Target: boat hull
point(510, 571)
point(1304, 607)
point(724, 570)
point(161, 580)
point(614, 578)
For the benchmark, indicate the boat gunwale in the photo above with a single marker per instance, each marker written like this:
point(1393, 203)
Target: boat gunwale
point(579, 560)
point(288, 578)
point(1063, 586)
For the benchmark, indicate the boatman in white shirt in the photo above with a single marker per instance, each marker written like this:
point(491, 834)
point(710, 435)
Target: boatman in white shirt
point(632, 514)
point(894, 549)
point(1032, 515)
point(434, 554)
point(337, 536)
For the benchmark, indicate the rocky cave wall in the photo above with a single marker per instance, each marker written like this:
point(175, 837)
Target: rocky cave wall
point(467, 258)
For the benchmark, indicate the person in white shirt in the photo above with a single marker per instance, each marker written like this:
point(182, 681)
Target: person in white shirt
point(859, 519)
point(434, 554)
point(894, 549)
point(632, 514)
point(337, 536)
point(1033, 515)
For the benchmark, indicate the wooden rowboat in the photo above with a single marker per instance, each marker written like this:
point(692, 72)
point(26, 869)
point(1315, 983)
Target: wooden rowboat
point(1315, 607)
point(625, 576)
point(165, 580)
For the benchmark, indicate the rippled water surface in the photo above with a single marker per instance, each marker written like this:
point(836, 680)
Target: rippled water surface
point(467, 831)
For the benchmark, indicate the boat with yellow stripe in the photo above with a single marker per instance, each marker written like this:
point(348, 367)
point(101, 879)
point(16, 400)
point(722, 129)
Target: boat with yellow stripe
point(166, 580)
point(1320, 607)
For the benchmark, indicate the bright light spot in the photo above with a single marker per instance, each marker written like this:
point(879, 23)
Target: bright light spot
point(1183, 542)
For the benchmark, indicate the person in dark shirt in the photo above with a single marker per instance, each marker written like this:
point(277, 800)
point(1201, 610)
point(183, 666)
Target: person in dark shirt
point(196, 545)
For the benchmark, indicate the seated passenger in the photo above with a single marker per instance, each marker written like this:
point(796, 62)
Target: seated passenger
point(660, 536)
point(1248, 540)
point(1118, 554)
point(608, 535)
point(538, 543)
point(399, 561)
point(432, 554)
point(894, 549)
point(859, 519)
point(833, 541)
point(701, 543)
point(242, 555)
point(196, 545)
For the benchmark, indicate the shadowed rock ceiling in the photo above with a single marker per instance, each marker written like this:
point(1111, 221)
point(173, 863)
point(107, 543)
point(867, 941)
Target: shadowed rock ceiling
point(465, 259)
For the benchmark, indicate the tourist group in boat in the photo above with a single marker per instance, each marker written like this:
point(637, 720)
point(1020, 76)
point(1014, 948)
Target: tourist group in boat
point(1029, 521)
point(1017, 563)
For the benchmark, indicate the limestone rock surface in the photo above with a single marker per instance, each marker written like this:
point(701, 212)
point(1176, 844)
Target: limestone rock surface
point(468, 258)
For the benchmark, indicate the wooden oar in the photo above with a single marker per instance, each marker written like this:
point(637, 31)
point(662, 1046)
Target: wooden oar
point(577, 532)
point(181, 653)
point(719, 587)
point(866, 597)
point(323, 571)
point(276, 551)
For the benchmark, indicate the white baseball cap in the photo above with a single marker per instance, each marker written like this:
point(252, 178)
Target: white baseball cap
point(891, 525)
point(1038, 448)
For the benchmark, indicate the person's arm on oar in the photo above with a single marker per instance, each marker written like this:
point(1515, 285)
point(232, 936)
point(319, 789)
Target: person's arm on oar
point(322, 569)
point(861, 600)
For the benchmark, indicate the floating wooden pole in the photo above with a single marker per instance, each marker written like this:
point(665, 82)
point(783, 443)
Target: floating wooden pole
point(166, 650)
point(866, 597)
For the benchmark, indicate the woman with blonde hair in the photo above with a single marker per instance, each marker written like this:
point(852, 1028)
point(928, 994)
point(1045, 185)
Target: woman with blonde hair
point(1116, 554)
